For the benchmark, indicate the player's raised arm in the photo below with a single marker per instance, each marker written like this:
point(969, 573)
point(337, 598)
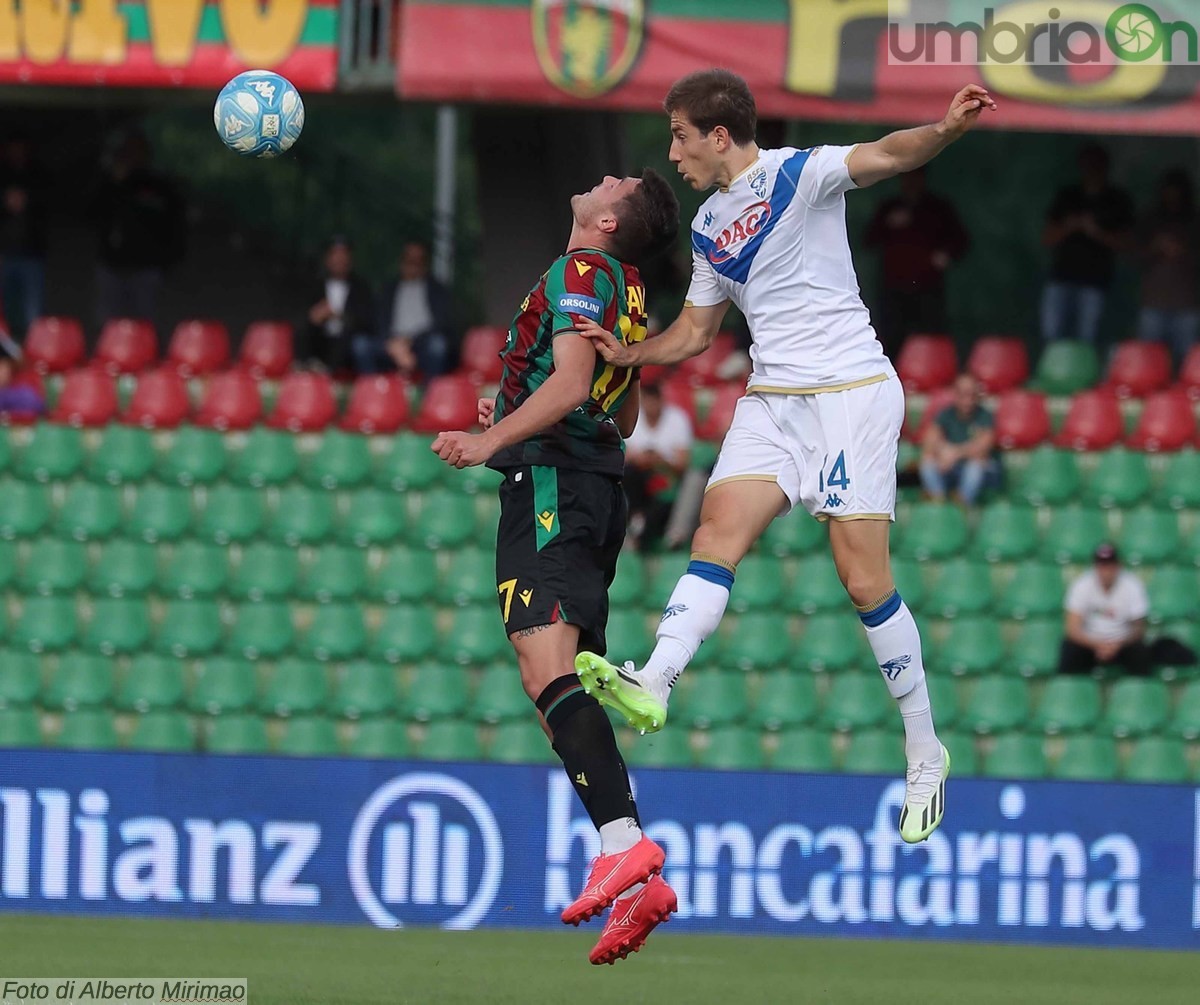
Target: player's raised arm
point(689, 335)
point(907, 149)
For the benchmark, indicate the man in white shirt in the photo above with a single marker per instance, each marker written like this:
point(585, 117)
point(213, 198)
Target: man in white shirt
point(656, 457)
point(1106, 612)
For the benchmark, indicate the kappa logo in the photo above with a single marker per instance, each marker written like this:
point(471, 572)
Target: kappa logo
point(833, 499)
point(739, 233)
point(264, 88)
point(708, 220)
point(672, 610)
point(893, 668)
point(233, 125)
point(758, 182)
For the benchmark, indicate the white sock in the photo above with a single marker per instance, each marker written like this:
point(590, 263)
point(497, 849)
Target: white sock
point(692, 614)
point(619, 835)
point(920, 739)
point(636, 888)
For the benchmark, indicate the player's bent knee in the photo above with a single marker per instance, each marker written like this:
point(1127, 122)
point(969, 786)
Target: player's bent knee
point(866, 590)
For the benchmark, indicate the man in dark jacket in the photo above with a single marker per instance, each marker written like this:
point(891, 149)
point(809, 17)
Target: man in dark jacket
point(342, 311)
point(22, 236)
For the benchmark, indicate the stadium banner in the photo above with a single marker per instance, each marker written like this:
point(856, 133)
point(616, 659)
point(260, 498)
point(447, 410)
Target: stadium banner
point(167, 43)
point(814, 59)
point(465, 845)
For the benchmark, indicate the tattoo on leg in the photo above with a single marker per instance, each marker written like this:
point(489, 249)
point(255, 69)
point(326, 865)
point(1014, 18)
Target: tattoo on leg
point(525, 633)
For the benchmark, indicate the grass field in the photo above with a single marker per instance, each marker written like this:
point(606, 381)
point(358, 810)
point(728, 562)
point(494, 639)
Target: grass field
point(311, 965)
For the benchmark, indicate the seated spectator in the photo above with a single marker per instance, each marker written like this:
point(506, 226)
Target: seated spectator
point(19, 393)
point(656, 456)
point(416, 332)
point(342, 309)
point(959, 450)
point(1170, 253)
point(1106, 612)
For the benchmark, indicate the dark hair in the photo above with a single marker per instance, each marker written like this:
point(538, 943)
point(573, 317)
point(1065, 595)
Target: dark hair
point(1181, 181)
point(711, 98)
point(647, 220)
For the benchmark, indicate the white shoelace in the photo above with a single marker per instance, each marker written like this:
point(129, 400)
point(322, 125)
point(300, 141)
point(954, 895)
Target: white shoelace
point(922, 780)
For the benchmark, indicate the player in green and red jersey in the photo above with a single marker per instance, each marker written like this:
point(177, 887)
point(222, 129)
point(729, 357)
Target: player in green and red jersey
point(556, 432)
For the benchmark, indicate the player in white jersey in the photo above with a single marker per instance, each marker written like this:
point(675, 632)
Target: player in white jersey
point(820, 423)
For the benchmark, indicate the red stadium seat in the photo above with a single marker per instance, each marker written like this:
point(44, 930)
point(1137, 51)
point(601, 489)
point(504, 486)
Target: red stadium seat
point(378, 404)
point(1139, 368)
point(88, 398)
point(927, 362)
point(199, 348)
point(937, 400)
point(54, 345)
point(305, 403)
point(704, 370)
point(448, 403)
point(999, 363)
point(267, 349)
point(1021, 420)
point(481, 350)
point(720, 414)
point(1166, 423)
point(231, 401)
point(1093, 421)
point(160, 400)
point(127, 345)
point(1189, 373)
point(680, 393)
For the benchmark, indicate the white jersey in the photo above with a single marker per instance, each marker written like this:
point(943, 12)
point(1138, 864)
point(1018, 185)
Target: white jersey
point(775, 243)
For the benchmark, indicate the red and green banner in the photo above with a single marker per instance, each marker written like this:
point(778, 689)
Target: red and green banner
point(167, 43)
point(805, 59)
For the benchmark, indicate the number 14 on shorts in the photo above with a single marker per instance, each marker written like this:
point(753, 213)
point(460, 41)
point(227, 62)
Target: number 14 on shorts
point(837, 479)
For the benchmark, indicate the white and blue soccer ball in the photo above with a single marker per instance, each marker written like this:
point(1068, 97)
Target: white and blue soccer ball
point(259, 114)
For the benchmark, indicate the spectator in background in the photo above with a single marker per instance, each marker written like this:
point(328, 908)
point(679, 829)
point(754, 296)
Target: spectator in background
point(19, 393)
point(140, 222)
point(416, 329)
point(959, 449)
point(1087, 224)
point(1169, 251)
point(342, 310)
point(22, 236)
point(1106, 611)
point(656, 457)
point(918, 235)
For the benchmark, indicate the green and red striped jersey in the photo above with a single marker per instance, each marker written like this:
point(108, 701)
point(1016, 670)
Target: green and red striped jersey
point(583, 283)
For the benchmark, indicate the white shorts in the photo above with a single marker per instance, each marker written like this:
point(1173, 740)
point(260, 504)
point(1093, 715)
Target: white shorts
point(835, 452)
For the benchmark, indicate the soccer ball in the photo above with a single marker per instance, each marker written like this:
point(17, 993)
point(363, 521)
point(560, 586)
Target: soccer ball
point(259, 114)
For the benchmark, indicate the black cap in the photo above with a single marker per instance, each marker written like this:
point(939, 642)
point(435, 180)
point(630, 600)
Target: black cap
point(1105, 553)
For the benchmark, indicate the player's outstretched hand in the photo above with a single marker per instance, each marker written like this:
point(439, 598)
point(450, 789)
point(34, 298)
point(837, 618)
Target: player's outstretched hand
point(606, 344)
point(487, 412)
point(966, 107)
point(463, 450)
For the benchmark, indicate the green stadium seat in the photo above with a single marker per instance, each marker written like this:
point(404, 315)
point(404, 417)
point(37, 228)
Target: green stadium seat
point(875, 752)
point(125, 568)
point(1035, 589)
point(997, 705)
point(8, 562)
point(803, 750)
point(794, 534)
point(337, 632)
point(1137, 707)
point(262, 631)
point(831, 642)
point(668, 748)
point(973, 645)
point(1174, 594)
point(82, 681)
point(267, 457)
point(470, 578)
point(437, 691)
point(160, 512)
point(857, 701)
point(1035, 651)
point(1006, 533)
point(628, 634)
point(474, 481)
point(943, 699)
point(1087, 758)
point(933, 531)
point(152, 682)
point(1066, 367)
point(19, 727)
point(1120, 479)
point(46, 624)
point(343, 460)
point(660, 584)
point(732, 748)
point(630, 582)
point(500, 696)
point(231, 514)
point(164, 730)
point(87, 729)
point(785, 700)
point(373, 517)
point(190, 628)
point(1149, 537)
point(365, 689)
point(1157, 759)
point(89, 512)
point(1050, 478)
point(296, 687)
point(196, 457)
point(487, 511)
point(124, 454)
point(1191, 547)
point(1068, 705)
point(53, 453)
point(21, 681)
point(1073, 534)
point(446, 520)
point(1180, 486)
point(194, 569)
point(405, 634)
point(451, 740)
point(301, 516)
point(239, 733)
point(476, 636)
point(521, 742)
point(756, 641)
point(380, 738)
point(24, 509)
point(53, 565)
point(963, 754)
point(909, 577)
point(118, 625)
point(961, 586)
point(409, 465)
point(815, 588)
point(708, 698)
point(406, 575)
point(223, 684)
point(1017, 755)
point(336, 573)
point(5, 451)
point(759, 584)
point(265, 571)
